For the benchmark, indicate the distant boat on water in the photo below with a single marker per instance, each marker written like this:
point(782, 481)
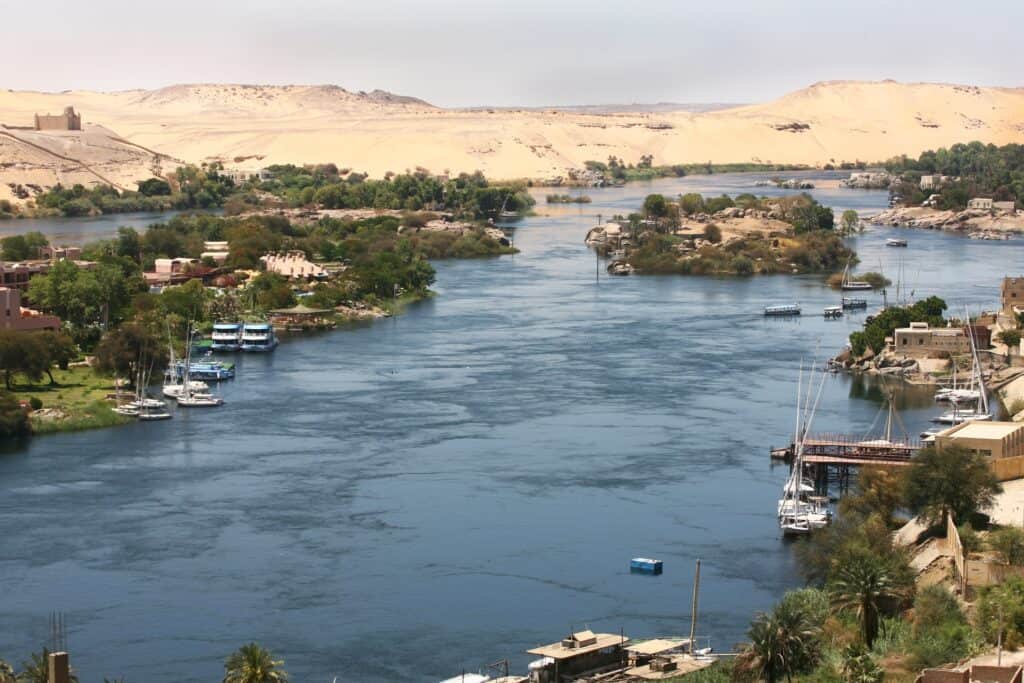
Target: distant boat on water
point(258, 337)
point(782, 310)
point(849, 302)
point(894, 242)
point(853, 285)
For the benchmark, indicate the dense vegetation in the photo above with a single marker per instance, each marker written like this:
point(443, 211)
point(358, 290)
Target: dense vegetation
point(976, 170)
point(854, 614)
point(469, 195)
point(189, 188)
point(616, 169)
point(884, 324)
point(809, 245)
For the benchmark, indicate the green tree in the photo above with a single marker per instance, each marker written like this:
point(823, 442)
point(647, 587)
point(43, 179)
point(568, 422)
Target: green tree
point(60, 350)
point(850, 221)
point(22, 353)
point(13, 419)
point(1000, 611)
point(129, 349)
point(691, 203)
point(254, 664)
point(1008, 542)
point(951, 480)
point(782, 644)
point(864, 584)
point(1011, 338)
point(655, 206)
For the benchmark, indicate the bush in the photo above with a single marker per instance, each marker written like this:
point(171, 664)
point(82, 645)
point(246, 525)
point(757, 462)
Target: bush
point(1002, 605)
point(1011, 338)
point(743, 266)
point(35, 403)
point(969, 538)
point(712, 233)
point(1009, 543)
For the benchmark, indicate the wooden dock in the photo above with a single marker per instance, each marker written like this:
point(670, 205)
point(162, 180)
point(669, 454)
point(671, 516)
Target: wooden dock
point(843, 449)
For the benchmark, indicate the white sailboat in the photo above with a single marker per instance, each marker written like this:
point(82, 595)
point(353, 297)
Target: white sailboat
point(961, 399)
point(800, 513)
point(188, 397)
point(852, 285)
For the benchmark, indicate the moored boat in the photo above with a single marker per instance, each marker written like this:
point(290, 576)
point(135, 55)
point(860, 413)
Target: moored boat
point(895, 242)
point(782, 310)
point(226, 336)
point(851, 303)
point(258, 337)
point(833, 311)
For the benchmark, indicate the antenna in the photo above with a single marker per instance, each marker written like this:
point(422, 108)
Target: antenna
point(58, 632)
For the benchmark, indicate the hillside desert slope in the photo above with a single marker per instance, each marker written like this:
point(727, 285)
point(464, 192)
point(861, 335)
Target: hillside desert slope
point(376, 132)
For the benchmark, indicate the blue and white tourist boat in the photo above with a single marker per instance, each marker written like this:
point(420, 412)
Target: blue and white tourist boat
point(785, 309)
point(227, 336)
point(205, 370)
point(258, 337)
point(645, 565)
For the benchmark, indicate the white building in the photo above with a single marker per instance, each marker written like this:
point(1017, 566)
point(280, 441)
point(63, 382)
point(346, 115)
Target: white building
point(293, 264)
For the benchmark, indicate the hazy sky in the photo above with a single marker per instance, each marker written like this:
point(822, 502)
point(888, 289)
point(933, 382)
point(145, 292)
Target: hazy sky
point(526, 52)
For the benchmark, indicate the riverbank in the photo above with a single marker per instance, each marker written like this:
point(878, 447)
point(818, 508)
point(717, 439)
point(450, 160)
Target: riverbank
point(76, 402)
point(973, 221)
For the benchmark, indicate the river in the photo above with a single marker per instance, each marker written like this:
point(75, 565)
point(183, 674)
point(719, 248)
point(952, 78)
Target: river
point(401, 500)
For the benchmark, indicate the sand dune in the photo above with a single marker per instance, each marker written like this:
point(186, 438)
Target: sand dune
point(376, 132)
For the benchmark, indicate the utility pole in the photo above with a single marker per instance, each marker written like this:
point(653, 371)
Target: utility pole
point(999, 640)
point(597, 265)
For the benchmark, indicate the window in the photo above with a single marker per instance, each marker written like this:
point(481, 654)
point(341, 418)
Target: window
point(920, 342)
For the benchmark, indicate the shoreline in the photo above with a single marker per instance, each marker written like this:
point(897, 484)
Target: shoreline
point(971, 221)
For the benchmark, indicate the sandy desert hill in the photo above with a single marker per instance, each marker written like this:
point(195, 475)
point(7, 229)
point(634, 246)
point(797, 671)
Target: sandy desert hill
point(132, 134)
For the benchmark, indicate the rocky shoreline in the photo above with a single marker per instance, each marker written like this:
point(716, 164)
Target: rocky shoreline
point(973, 221)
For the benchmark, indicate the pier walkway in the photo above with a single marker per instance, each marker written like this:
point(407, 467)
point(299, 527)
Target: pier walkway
point(845, 450)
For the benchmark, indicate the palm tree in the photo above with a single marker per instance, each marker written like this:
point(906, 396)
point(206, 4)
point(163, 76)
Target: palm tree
point(254, 664)
point(781, 643)
point(37, 669)
point(7, 673)
point(863, 583)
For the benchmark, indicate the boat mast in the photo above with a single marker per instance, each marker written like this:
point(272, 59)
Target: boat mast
point(693, 607)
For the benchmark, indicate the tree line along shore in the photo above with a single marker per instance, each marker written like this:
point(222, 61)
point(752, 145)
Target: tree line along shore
point(374, 261)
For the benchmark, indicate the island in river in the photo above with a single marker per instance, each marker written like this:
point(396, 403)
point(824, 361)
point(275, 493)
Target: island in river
point(723, 236)
point(973, 221)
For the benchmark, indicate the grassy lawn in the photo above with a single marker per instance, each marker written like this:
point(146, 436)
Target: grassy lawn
point(79, 395)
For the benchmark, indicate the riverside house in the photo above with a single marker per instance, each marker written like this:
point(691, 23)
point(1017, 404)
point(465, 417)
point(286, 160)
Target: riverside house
point(14, 316)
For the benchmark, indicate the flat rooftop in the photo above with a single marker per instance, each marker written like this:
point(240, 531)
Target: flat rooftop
point(657, 646)
point(558, 652)
point(984, 430)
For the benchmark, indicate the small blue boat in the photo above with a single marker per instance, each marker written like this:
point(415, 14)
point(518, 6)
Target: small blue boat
point(206, 370)
point(644, 565)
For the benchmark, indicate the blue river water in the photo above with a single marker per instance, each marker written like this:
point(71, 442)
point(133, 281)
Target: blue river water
point(402, 500)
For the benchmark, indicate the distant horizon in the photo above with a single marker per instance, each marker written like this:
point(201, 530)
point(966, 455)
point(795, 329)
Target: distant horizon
point(664, 104)
point(526, 53)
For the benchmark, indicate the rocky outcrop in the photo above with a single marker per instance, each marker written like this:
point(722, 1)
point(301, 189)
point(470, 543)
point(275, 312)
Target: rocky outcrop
point(969, 220)
point(868, 180)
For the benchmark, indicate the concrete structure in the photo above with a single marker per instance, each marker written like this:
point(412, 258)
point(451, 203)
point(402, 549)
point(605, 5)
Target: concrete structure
point(52, 253)
point(972, 674)
point(932, 182)
point(69, 120)
point(1002, 444)
point(218, 251)
point(14, 316)
point(1008, 207)
point(172, 266)
point(920, 341)
point(1011, 294)
point(293, 264)
point(17, 274)
point(58, 668)
point(983, 203)
point(241, 175)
